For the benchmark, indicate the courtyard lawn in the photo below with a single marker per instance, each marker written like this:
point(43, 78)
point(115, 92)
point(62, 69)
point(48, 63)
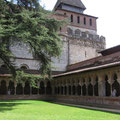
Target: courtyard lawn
point(39, 110)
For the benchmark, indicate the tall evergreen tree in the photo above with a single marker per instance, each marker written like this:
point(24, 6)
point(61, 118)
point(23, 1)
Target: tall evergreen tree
point(26, 21)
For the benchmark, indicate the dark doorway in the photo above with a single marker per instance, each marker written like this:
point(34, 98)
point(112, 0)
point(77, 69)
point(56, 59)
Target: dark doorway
point(19, 89)
point(11, 88)
point(3, 88)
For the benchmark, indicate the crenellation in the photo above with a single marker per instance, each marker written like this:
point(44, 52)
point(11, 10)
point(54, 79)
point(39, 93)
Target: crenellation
point(89, 38)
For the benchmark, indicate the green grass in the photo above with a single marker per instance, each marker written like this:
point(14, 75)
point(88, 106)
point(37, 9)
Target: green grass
point(39, 110)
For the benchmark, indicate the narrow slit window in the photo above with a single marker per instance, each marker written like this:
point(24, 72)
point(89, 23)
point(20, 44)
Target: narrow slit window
point(90, 22)
point(84, 21)
point(71, 18)
point(85, 54)
point(60, 29)
point(78, 19)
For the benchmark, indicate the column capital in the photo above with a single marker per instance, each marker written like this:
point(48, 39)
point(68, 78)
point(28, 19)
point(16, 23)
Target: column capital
point(93, 82)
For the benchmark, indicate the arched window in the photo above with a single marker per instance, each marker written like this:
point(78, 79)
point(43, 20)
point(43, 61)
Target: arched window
point(65, 88)
point(77, 32)
point(79, 90)
point(69, 31)
point(3, 66)
point(90, 88)
point(116, 85)
point(90, 22)
point(11, 88)
point(96, 87)
point(3, 88)
point(49, 88)
point(71, 18)
point(69, 90)
point(42, 88)
point(107, 86)
point(73, 90)
point(84, 21)
point(24, 67)
point(27, 88)
point(19, 89)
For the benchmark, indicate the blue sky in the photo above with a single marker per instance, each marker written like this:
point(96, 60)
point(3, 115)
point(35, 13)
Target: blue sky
point(107, 11)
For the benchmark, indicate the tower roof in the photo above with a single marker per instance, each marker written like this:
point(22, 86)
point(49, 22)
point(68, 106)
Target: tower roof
point(75, 3)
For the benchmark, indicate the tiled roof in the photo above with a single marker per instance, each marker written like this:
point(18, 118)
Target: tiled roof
point(94, 62)
point(75, 3)
point(88, 69)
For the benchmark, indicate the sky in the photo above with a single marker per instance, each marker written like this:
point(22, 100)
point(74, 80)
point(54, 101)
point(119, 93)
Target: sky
point(107, 11)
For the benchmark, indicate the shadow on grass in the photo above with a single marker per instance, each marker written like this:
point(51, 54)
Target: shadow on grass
point(87, 107)
point(10, 105)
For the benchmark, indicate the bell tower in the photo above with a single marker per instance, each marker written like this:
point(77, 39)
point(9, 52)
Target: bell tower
point(80, 38)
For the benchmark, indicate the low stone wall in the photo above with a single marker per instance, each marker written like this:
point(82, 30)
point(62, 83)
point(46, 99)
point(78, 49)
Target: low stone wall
point(87, 100)
point(26, 97)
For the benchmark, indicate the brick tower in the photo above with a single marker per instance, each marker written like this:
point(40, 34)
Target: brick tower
point(80, 37)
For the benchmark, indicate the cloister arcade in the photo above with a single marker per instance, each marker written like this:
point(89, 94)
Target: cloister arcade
point(101, 84)
point(8, 87)
point(96, 83)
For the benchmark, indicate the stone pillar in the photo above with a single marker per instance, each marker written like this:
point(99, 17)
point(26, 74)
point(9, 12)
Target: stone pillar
point(45, 89)
point(23, 85)
point(15, 85)
point(86, 83)
point(30, 89)
point(7, 84)
point(110, 81)
point(63, 90)
point(118, 75)
point(93, 82)
point(81, 84)
point(67, 89)
point(38, 85)
point(76, 89)
point(101, 86)
point(53, 88)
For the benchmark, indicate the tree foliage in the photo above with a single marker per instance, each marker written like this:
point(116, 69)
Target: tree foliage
point(27, 22)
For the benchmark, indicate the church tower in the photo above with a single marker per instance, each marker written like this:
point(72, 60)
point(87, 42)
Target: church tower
point(74, 10)
point(80, 39)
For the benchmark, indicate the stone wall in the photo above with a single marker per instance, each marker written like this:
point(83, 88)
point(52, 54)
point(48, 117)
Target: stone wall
point(76, 48)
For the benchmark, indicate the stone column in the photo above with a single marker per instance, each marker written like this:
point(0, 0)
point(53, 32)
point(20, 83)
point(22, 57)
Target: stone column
point(15, 85)
point(110, 81)
point(23, 85)
point(0, 82)
point(53, 88)
point(76, 89)
point(38, 85)
point(7, 84)
point(63, 90)
point(45, 89)
point(67, 89)
point(81, 84)
point(101, 86)
point(93, 82)
point(118, 75)
point(30, 89)
point(86, 83)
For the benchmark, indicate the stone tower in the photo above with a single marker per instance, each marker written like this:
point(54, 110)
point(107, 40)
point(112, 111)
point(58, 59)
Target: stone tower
point(81, 41)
